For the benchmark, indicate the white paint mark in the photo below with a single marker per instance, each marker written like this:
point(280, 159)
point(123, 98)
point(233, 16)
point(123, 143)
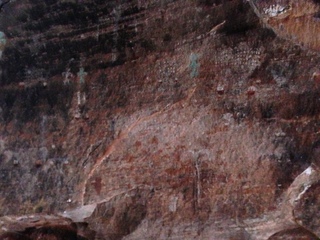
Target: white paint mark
point(198, 181)
point(220, 89)
point(84, 98)
point(79, 97)
point(303, 192)
point(228, 117)
point(173, 204)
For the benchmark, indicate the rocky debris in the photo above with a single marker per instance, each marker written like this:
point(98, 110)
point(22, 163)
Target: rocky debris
point(81, 213)
point(114, 218)
point(306, 212)
point(284, 222)
point(36, 227)
point(121, 215)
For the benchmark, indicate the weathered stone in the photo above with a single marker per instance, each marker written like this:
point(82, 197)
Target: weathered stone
point(166, 119)
point(37, 227)
point(294, 234)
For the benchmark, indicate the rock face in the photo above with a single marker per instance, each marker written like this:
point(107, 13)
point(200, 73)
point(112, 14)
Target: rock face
point(38, 227)
point(168, 119)
point(295, 20)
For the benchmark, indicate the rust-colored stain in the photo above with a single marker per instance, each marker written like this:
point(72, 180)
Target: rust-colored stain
point(154, 140)
point(138, 144)
point(97, 184)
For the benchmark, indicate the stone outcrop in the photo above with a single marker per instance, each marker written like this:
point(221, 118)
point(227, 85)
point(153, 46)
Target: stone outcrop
point(294, 20)
point(30, 227)
point(166, 119)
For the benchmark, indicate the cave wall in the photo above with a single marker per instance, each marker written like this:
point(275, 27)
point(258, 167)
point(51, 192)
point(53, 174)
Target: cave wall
point(197, 104)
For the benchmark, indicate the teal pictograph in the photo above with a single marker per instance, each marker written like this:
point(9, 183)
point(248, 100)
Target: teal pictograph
point(82, 75)
point(194, 65)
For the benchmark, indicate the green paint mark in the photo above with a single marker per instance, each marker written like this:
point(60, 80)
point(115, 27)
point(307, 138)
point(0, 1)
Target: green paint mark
point(3, 42)
point(194, 65)
point(3, 39)
point(82, 74)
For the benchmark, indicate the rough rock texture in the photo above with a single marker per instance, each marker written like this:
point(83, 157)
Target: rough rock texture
point(39, 227)
point(294, 20)
point(172, 119)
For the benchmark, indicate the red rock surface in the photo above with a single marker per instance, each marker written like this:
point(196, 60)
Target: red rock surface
point(160, 119)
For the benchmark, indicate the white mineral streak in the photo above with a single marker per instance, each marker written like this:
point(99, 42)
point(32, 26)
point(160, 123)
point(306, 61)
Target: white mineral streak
point(274, 10)
point(173, 204)
point(301, 184)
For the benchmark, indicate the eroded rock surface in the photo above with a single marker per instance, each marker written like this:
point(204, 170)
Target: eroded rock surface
point(34, 227)
point(166, 119)
point(294, 20)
